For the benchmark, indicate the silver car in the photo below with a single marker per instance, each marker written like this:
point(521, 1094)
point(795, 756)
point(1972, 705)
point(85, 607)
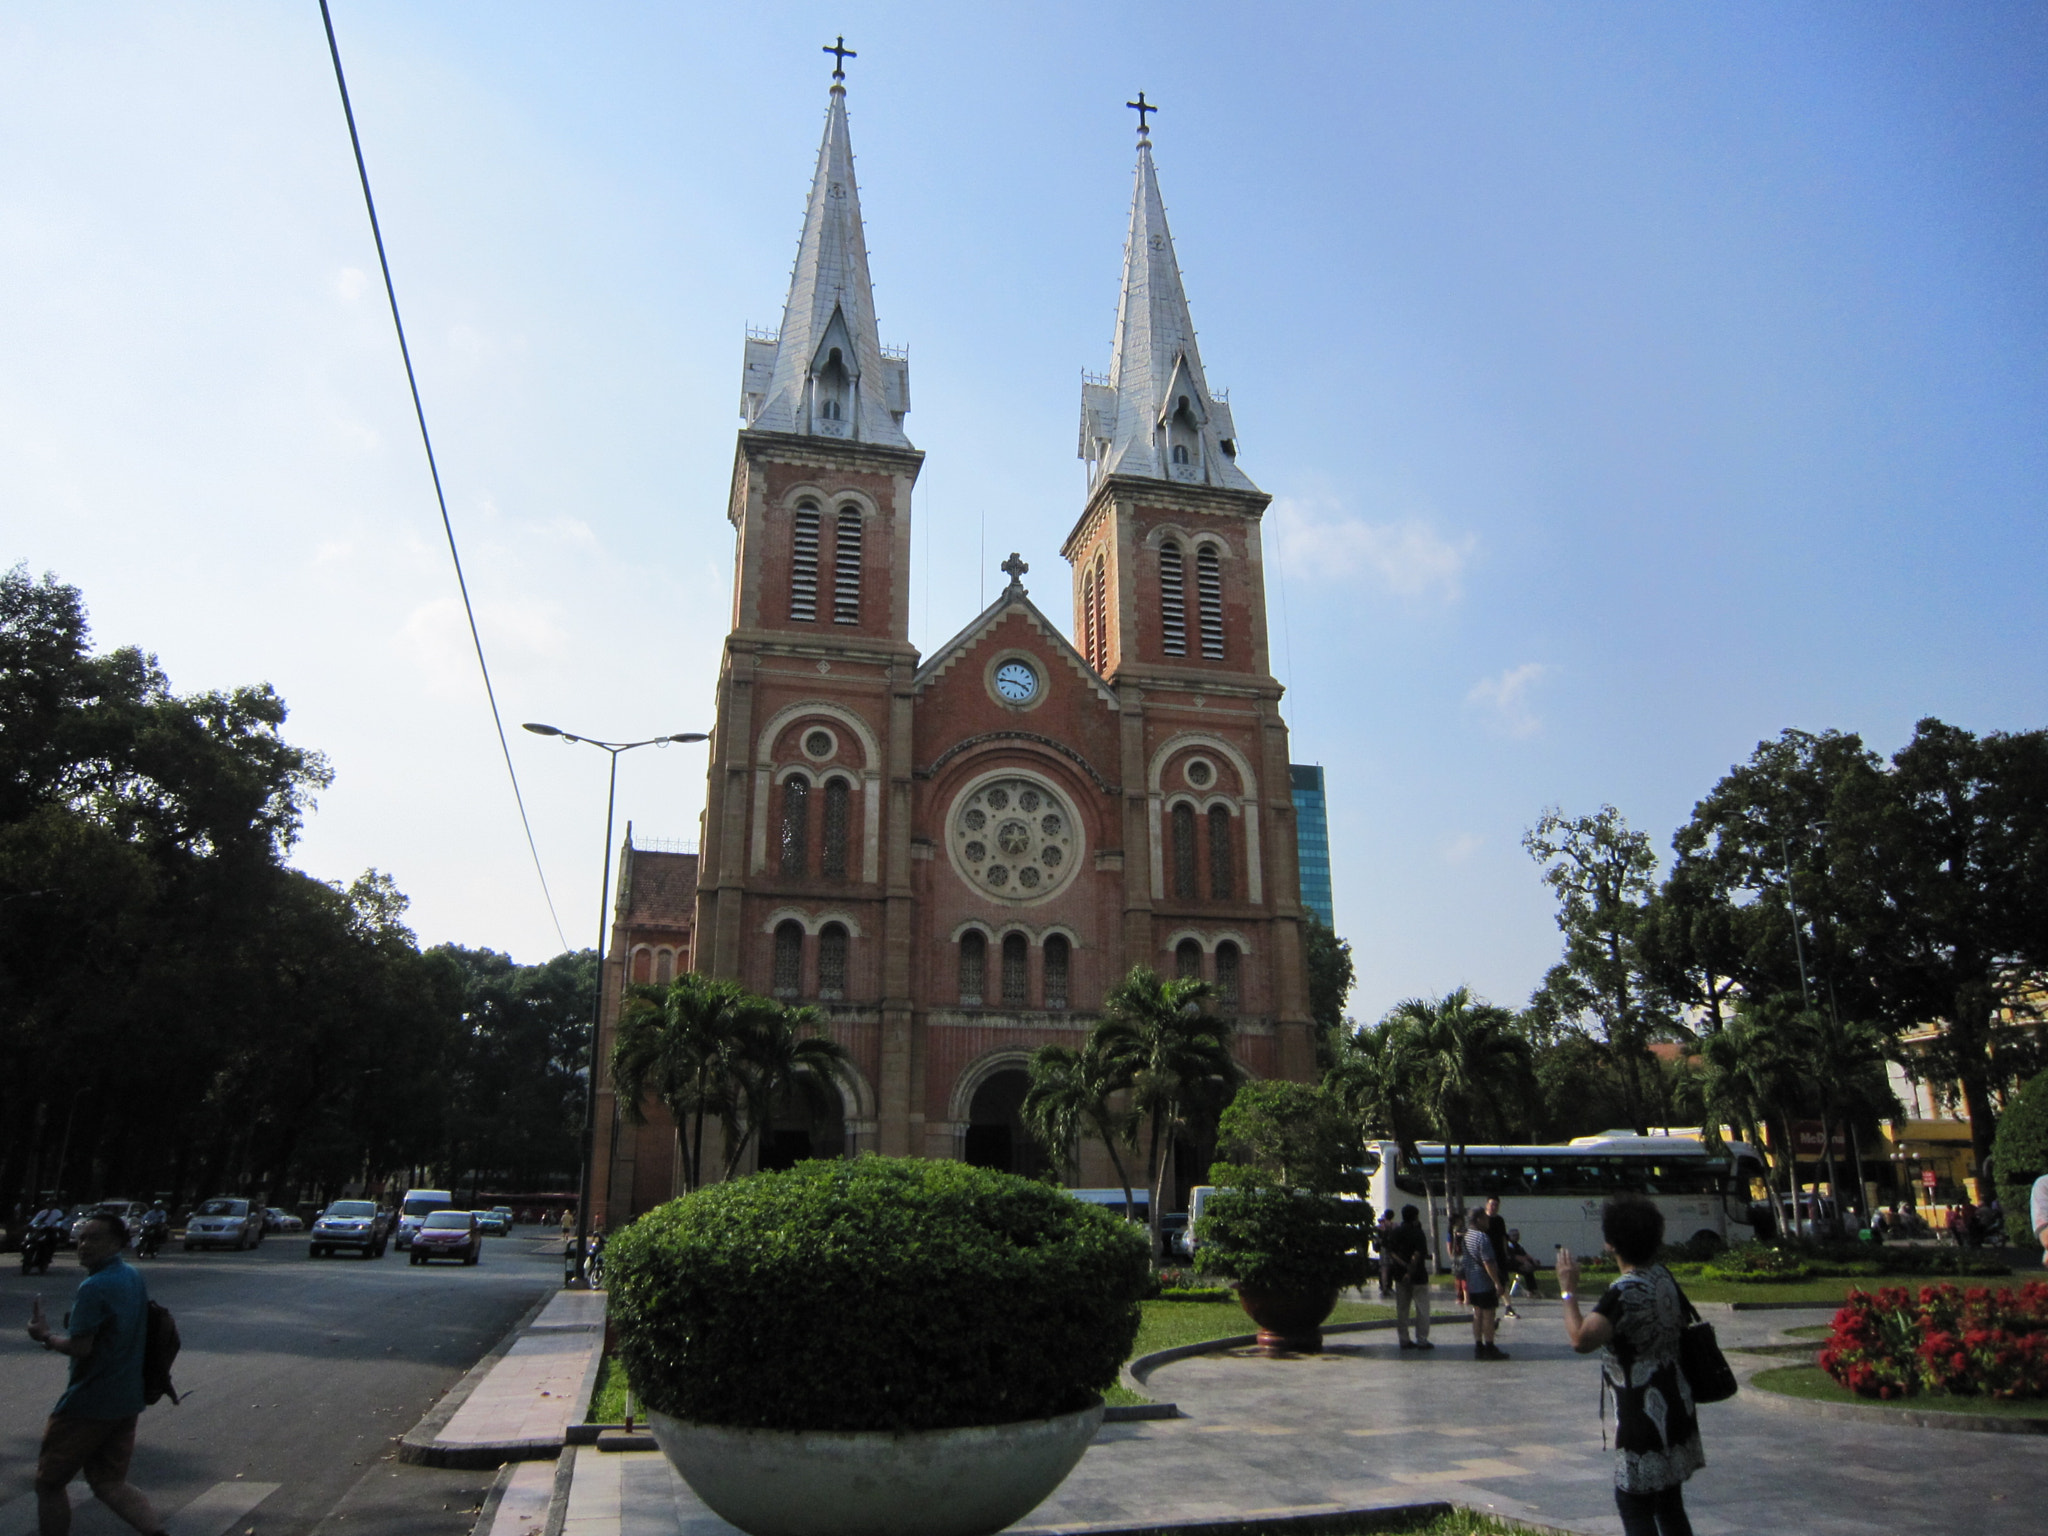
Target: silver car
point(356, 1225)
point(224, 1223)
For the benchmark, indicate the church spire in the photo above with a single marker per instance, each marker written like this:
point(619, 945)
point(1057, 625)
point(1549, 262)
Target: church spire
point(1154, 414)
point(825, 373)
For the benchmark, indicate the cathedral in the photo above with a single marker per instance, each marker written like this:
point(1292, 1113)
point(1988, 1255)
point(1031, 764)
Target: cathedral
point(954, 857)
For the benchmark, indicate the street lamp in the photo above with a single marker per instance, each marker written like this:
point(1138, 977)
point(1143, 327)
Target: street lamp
point(584, 1189)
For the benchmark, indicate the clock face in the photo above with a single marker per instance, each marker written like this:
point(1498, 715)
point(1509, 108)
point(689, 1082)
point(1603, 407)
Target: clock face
point(1016, 681)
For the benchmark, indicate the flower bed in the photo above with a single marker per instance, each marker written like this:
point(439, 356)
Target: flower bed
point(1944, 1341)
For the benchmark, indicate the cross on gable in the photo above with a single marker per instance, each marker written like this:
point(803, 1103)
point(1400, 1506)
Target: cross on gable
point(1015, 568)
point(1142, 107)
point(840, 54)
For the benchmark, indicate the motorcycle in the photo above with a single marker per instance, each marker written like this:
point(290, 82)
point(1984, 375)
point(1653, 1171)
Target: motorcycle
point(153, 1235)
point(38, 1247)
point(593, 1264)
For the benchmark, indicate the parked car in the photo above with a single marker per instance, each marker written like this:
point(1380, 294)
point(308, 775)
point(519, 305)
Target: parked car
point(448, 1235)
point(505, 1211)
point(224, 1222)
point(281, 1221)
point(491, 1224)
point(130, 1211)
point(1173, 1231)
point(418, 1205)
point(347, 1225)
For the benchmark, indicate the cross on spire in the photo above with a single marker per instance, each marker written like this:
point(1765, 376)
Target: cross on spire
point(840, 54)
point(1142, 107)
point(1014, 568)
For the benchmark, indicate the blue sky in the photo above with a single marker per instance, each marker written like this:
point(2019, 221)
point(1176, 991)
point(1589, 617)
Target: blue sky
point(1632, 382)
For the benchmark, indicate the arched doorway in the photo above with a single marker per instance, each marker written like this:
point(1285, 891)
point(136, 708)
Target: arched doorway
point(809, 1120)
point(996, 1137)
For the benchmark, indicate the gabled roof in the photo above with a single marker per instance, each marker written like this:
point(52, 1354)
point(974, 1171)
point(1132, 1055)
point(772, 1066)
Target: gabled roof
point(829, 291)
point(1012, 597)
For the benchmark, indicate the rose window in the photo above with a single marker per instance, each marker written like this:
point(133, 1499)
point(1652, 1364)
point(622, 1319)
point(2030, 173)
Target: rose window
point(1013, 837)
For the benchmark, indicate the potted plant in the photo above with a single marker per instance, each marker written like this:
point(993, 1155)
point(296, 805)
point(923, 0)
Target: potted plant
point(889, 1346)
point(1279, 1226)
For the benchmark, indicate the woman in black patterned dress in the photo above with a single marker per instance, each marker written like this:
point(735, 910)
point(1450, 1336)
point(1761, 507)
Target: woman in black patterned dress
point(1637, 1323)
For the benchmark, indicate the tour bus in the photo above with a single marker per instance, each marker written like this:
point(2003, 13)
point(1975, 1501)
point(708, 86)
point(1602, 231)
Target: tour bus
point(1552, 1194)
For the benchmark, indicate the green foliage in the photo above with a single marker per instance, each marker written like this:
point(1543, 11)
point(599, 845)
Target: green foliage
point(1081, 1093)
point(876, 1294)
point(1271, 1238)
point(1331, 973)
point(2020, 1156)
point(1758, 1261)
point(1298, 1135)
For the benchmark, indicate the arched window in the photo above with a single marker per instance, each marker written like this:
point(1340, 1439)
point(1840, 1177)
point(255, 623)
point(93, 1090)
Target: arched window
point(1173, 601)
point(973, 967)
point(1184, 852)
point(832, 859)
point(1222, 860)
point(832, 962)
point(1088, 619)
point(789, 958)
point(796, 824)
point(1058, 966)
point(1187, 960)
point(1209, 593)
point(1180, 453)
point(1101, 613)
point(664, 967)
point(803, 565)
point(1227, 982)
point(1016, 971)
point(846, 568)
point(830, 410)
point(643, 965)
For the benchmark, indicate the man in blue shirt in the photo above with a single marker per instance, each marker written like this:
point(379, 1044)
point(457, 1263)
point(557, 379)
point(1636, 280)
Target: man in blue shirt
point(92, 1428)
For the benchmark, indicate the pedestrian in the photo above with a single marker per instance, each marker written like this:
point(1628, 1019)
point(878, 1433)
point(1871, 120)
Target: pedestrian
point(92, 1427)
point(2037, 1216)
point(1497, 1235)
point(1457, 1242)
point(1483, 1286)
point(1638, 1322)
point(1521, 1270)
point(1383, 1234)
point(1408, 1265)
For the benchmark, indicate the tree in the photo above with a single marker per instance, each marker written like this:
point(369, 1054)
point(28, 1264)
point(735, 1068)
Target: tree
point(1465, 1053)
point(682, 1045)
point(1330, 977)
point(1296, 1135)
point(1172, 1054)
point(1077, 1093)
point(778, 1048)
point(1601, 870)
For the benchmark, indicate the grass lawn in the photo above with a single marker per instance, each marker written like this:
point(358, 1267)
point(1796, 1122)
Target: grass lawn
point(608, 1402)
point(1169, 1323)
point(1814, 1384)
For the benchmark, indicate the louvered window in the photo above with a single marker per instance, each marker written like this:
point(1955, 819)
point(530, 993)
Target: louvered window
point(1184, 852)
point(1016, 971)
point(1058, 965)
point(1173, 601)
point(803, 565)
point(846, 568)
point(789, 959)
point(832, 962)
point(1221, 883)
point(1101, 614)
point(833, 859)
point(1227, 983)
point(1088, 620)
point(796, 824)
point(1209, 590)
point(1187, 960)
point(973, 968)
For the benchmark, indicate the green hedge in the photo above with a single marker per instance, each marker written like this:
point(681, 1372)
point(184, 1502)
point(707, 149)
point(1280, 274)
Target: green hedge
point(1277, 1239)
point(876, 1294)
point(2019, 1155)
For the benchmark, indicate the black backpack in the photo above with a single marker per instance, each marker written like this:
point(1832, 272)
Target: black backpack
point(159, 1349)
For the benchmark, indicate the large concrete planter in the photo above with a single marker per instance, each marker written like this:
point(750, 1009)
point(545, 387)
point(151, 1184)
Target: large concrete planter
point(939, 1482)
point(1290, 1321)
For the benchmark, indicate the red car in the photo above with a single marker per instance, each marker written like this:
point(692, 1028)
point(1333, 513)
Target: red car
point(448, 1235)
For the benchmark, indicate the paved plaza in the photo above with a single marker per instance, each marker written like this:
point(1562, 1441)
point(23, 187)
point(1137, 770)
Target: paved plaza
point(1365, 1424)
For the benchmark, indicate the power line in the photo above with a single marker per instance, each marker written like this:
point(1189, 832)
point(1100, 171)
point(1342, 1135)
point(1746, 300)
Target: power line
point(447, 525)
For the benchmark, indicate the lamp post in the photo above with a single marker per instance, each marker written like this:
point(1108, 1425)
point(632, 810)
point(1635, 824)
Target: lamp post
point(586, 1184)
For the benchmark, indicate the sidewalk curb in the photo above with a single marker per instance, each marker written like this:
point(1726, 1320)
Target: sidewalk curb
point(420, 1446)
point(1135, 1372)
point(1905, 1418)
point(1312, 1522)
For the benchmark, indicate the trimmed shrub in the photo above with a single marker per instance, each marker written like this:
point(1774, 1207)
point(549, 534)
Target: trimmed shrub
point(1758, 1261)
point(1279, 1240)
point(2019, 1155)
point(877, 1294)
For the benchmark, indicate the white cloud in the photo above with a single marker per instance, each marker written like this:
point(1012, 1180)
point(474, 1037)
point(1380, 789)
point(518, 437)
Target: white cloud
point(435, 638)
point(1461, 848)
point(1504, 700)
point(352, 283)
point(1409, 557)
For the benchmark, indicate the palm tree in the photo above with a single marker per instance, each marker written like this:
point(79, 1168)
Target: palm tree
point(682, 1044)
point(1075, 1093)
point(1757, 1071)
point(777, 1048)
point(1464, 1052)
point(1376, 1078)
point(1173, 1055)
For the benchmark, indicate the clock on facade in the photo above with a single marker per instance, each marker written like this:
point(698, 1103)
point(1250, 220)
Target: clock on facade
point(1017, 681)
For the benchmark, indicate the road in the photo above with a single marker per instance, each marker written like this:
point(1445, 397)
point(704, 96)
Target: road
point(302, 1375)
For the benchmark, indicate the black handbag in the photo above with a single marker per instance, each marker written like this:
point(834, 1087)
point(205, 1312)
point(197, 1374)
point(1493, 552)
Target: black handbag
point(1706, 1369)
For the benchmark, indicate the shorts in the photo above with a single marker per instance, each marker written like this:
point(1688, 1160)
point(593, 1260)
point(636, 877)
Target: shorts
point(1482, 1301)
point(100, 1448)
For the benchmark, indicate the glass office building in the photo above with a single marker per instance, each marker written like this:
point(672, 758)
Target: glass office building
point(1312, 831)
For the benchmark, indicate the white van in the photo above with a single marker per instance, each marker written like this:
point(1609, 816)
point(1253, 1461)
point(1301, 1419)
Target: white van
point(419, 1205)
